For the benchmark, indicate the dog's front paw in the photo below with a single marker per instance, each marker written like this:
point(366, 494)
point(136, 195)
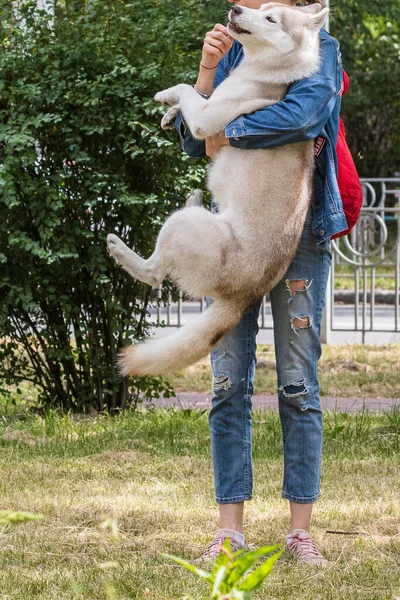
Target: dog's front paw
point(116, 247)
point(170, 96)
point(166, 97)
point(167, 122)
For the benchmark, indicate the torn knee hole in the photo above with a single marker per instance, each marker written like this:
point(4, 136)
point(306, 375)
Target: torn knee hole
point(294, 389)
point(300, 322)
point(293, 286)
point(221, 382)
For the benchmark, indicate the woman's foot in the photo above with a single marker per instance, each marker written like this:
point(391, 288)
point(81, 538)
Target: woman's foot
point(236, 539)
point(301, 545)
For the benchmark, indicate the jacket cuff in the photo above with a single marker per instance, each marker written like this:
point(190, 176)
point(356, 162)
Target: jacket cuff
point(180, 127)
point(192, 147)
point(236, 134)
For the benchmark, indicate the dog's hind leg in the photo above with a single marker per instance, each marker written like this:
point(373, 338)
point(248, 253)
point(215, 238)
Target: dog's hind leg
point(195, 247)
point(150, 271)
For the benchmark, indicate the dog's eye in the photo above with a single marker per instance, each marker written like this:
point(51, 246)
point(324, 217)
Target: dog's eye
point(270, 19)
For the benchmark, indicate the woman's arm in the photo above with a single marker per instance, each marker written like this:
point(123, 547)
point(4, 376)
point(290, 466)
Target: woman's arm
point(217, 44)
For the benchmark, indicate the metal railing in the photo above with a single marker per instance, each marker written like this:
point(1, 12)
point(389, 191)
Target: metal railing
point(370, 254)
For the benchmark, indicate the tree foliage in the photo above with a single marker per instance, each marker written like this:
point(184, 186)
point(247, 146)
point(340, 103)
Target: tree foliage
point(369, 33)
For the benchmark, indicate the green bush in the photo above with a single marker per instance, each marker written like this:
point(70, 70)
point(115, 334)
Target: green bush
point(82, 154)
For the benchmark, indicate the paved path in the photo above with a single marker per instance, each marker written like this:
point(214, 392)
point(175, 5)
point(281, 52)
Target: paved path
point(203, 401)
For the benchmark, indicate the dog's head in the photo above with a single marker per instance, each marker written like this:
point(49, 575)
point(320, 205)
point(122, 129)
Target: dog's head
point(282, 33)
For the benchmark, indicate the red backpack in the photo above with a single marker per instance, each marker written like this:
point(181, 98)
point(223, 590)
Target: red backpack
point(348, 180)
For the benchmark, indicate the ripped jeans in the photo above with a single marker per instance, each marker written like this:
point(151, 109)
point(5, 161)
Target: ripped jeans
point(297, 319)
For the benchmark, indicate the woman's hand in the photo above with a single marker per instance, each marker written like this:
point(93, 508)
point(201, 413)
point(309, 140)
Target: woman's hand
point(217, 43)
point(215, 143)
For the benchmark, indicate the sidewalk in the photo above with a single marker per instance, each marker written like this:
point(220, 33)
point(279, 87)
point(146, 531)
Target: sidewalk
point(339, 337)
point(187, 400)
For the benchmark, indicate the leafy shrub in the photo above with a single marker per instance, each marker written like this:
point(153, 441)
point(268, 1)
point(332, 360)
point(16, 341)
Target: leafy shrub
point(81, 155)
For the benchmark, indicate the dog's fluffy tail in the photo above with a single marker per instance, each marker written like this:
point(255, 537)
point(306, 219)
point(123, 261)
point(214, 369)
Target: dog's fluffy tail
point(184, 347)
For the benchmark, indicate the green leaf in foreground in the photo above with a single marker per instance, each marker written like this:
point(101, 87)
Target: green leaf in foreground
point(200, 572)
point(240, 595)
point(255, 580)
point(10, 517)
point(229, 568)
point(217, 582)
point(246, 561)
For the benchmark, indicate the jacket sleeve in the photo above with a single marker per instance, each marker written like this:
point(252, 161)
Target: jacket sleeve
point(300, 116)
point(189, 144)
point(193, 147)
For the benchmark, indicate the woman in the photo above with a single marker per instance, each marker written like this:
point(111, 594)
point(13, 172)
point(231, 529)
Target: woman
point(310, 110)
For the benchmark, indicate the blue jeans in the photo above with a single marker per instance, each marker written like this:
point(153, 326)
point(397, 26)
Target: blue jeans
point(297, 324)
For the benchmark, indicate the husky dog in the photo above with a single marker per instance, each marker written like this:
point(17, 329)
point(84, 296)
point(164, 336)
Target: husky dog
point(239, 254)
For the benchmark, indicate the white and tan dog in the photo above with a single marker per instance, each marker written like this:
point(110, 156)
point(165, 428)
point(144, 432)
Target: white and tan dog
point(239, 254)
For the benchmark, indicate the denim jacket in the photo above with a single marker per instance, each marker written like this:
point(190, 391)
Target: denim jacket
point(310, 110)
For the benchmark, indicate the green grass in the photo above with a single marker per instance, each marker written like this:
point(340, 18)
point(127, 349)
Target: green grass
point(151, 472)
point(384, 274)
point(384, 278)
point(350, 370)
point(387, 284)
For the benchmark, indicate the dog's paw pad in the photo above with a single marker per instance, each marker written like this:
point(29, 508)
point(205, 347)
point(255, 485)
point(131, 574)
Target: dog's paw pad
point(161, 98)
point(112, 239)
point(168, 120)
point(115, 246)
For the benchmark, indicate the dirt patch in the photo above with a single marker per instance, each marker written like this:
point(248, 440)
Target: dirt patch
point(19, 435)
point(346, 365)
point(386, 527)
point(263, 363)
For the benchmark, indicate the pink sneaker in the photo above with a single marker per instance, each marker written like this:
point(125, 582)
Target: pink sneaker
point(301, 545)
point(236, 539)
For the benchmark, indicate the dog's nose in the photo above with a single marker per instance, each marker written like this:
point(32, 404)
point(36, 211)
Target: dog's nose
point(236, 10)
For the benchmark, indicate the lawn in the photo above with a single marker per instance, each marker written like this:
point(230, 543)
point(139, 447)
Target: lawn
point(150, 473)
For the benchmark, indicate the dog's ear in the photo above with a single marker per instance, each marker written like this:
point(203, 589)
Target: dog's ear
point(310, 8)
point(317, 21)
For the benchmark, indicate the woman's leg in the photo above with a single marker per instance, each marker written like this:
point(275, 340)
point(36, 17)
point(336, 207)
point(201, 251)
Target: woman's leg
point(233, 363)
point(231, 516)
point(297, 307)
